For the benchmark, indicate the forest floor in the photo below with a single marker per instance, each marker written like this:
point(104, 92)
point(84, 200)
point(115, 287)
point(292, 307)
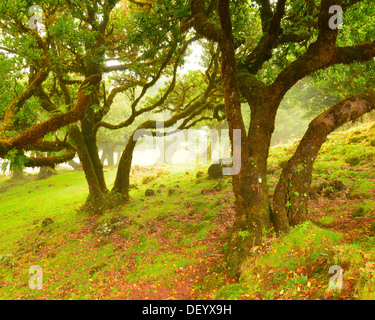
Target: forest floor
point(169, 245)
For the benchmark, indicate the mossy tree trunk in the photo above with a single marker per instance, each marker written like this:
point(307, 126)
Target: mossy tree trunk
point(95, 199)
point(291, 193)
point(250, 184)
point(122, 181)
point(17, 173)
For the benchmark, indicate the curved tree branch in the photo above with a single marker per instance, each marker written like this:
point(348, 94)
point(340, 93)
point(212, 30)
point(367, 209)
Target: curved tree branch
point(56, 122)
point(295, 178)
point(50, 161)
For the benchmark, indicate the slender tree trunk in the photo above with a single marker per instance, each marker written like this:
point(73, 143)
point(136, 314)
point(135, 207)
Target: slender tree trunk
point(45, 172)
point(103, 156)
point(118, 156)
point(110, 155)
point(122, 180)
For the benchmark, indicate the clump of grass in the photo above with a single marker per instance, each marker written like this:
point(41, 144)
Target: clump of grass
point(364, 208)
point(326, 221)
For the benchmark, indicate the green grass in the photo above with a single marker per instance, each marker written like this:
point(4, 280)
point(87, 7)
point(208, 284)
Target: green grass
point(75, 261)
point(173, 241)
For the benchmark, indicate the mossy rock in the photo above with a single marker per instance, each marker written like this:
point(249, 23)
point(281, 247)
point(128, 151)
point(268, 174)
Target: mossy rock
point(215, 170)
point(199, 174)
point(103, 229)
point(97, 268)
point(329, 188)
point(47, 221)
point(108, 227)
point(149, 192)
point(337, 185)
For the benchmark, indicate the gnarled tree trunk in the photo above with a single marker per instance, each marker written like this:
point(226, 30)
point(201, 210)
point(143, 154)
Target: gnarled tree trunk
point(291, 193)
point(94, 202)
point(250, 184)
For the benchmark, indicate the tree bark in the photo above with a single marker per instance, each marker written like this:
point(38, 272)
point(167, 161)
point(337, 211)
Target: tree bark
point(95, 193)
point(92, 149)
point(50, 161)
point(249, 185)
point(73, 164)
point(122, 180)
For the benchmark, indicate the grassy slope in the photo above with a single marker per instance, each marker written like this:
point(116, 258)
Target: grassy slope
point(169, 246)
